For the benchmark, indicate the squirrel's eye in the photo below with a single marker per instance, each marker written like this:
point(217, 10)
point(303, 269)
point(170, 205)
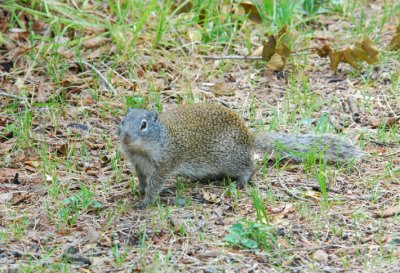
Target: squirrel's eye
point(143, 125)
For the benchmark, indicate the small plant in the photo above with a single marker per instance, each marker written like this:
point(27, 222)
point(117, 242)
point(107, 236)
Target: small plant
point(261, 214)
point(74, 205)
point(135, 102)
point(119, 257)
point(321, 176)
point(252, 235)
point(232, 191)
point(248, 234)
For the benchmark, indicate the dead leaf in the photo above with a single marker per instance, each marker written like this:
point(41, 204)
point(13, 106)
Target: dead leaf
point(395, 42)
point(274, 51)
point(277, 62)
point(335, 60)
point(354, 55)
point(181, 7)
point(389, 212)
point(269, 47)
point(324, 51)
point(92, 235)
point(321, 256)
point(251, 10)
point(211, 197)
point(95, 42)
point(194, 35)
point(366, 51)
point(279, 213)
point(44, 92)
point(5, 197)
point(222, 89)
point(258, 52)
point(160, 237)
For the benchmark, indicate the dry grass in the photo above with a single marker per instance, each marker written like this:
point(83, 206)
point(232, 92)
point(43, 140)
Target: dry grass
point(66, 193)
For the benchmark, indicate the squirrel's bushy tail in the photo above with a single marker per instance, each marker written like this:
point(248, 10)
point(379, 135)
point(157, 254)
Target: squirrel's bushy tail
point(298, 147)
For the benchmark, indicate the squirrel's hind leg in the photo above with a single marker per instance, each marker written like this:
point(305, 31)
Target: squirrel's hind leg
point(243, 179)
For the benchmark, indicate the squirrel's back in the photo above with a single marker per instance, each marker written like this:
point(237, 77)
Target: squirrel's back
point(198, 126)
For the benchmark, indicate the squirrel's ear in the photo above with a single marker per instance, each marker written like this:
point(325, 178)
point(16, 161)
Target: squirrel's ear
point(130, 110)
point(154, 115)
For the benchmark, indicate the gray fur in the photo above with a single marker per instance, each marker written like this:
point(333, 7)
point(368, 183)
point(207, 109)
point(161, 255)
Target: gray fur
point(332, 148)
point(207, 141)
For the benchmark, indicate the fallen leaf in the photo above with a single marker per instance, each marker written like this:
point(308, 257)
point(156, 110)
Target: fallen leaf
point(279, 213)
point(277, 62)
point(44, 92)
point(321, 256)
point(354, 55)
point(194, 35)
point(269, 47)
point(211, 197)
point(395, 42)
point(366, 51)
point(389, 212)
point(258, 52)
point(251, 10)
point(92, 235)
point(324, 51)
point(5, 197)
point(95, 42)
point(222, 89)
point(160, 237)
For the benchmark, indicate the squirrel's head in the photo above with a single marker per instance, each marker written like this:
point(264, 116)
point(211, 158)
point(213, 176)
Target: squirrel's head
point(140, 130)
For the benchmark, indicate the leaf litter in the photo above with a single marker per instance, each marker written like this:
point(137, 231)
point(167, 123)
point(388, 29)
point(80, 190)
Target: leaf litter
point(73, 200)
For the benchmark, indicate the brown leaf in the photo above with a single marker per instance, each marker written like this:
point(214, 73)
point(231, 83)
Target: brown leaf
point(321, 256)
point(251, 10)
point(211, 197)
point(389, 212)
point(277, 62)
point(275, 51)
point(160, 237)
point(354, 55)
point(179, 8)
point(5, 197)
point(395, 42)
point(44, 92)
point(269, 47)
point(257, 52)
point(324, 51)
point(95, 42)
point(366, 51)
point(349, 57)
point(222, 89)
point(194, 35)
point(335, 60)
point(280, 213)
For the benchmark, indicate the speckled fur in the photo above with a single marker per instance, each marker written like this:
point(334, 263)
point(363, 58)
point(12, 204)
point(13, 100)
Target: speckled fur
point(200, 142)
point(206, 141)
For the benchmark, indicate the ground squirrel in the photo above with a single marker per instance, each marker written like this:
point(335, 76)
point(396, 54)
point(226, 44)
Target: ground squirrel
point(208, 141)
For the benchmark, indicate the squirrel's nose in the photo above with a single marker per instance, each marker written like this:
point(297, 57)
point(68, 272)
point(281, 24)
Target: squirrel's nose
point(126, 139)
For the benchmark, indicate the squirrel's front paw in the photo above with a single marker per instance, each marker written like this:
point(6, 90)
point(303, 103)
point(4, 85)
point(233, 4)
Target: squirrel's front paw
point(140, 205)
point(144, 203)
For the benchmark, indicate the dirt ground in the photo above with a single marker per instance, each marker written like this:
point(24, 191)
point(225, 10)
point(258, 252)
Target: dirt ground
point(67, 192)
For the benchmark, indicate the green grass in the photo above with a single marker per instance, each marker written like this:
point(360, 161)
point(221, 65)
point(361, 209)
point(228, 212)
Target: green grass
point(73, 180)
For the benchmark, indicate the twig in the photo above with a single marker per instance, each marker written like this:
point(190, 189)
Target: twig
point(4, 94)
point(285, 188)
point(109, 85)
point(384, 144)
point(233, 57)
point(238, 57)
point(354, 109)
